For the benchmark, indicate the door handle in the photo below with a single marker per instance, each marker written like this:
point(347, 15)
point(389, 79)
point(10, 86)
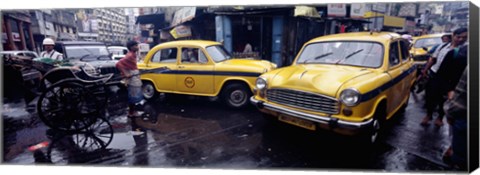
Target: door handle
point(181, 66)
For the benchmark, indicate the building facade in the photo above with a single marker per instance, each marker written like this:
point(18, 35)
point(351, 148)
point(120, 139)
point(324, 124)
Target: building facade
point(112, 25)
point(56, 24)
point(17, 31)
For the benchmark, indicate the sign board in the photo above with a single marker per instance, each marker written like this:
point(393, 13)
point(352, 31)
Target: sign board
point(142, 47)
point(181, 31)
point(378, 7)
point(16, 36)
point(183, 15)
point(407, 10)
point(357, 10)
point(337, 10)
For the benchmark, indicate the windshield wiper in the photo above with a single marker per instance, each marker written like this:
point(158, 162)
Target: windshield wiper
point(100, 56)
point(320, 56)
point(349, 55)
point(84, 56)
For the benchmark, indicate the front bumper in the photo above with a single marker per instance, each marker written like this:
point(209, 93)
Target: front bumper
point(334, 124)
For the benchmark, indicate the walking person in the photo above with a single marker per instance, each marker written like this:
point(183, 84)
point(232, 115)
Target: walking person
point(456, 112)
point(48, 45)
point(131, 74)
point(442, 76)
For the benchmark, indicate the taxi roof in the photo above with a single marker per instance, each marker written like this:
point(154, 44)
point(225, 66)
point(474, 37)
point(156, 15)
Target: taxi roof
point(359, 36)
point(200, 43)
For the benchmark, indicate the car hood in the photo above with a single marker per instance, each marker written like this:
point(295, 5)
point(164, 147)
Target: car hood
point(261, 66)
point(419, 51)
point(323, 79)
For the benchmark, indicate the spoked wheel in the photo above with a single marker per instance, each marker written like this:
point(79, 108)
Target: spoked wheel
point(67, 106)
point(70, 148)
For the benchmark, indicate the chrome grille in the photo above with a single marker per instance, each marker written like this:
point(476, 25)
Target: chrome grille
point(303, 100)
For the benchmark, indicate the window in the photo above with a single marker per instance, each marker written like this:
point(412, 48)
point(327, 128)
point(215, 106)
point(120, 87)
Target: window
point(405, 53)
point(191, 55)
point(394, 54)
point(165, 56)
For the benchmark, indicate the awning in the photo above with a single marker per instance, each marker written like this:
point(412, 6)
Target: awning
point(183, 15)
point(151, 19)
point(306, 11)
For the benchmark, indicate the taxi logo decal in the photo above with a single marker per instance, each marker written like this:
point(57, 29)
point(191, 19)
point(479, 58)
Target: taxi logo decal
point(189, 82)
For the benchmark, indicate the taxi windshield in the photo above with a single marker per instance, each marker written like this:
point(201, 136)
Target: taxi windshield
point(355, 53)
point(218, 53)
point(427, 42)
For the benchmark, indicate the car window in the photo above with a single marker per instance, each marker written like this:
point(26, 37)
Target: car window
point(202, 58)
point(190, 55)
point(168, 55)
point(394, 58)
point(355, 53)
point(404, 50)
point(427, 42)
point(218, 53)
point(32, 55)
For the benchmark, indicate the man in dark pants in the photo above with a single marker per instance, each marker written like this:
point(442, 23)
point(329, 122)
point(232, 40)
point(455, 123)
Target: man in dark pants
point(456, 110)
point(443, 75)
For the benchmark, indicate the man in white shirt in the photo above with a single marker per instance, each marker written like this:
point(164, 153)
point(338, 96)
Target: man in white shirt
point(48, 45)
point(434, 95)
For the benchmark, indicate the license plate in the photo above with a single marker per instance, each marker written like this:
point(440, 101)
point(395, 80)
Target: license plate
point(297, 122)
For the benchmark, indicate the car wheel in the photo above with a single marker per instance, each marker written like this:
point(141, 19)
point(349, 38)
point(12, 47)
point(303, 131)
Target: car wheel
point(149, 91)
point(375, 131)
point(236, 95)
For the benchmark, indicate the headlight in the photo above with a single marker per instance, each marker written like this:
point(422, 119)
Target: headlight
point(261, 83)
point(350, 97)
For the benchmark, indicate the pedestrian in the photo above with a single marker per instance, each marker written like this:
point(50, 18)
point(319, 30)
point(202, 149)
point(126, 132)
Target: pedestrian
point(443, 74)
point(456, 112)
point(128, 68)
point(48, 45)
point(447, 38)
point(421, 81)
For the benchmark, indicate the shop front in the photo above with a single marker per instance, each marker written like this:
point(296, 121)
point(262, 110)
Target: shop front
point(16, 31)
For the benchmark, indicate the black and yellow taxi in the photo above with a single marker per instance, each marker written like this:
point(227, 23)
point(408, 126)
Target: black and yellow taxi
point(201, 68)
point(348, 83)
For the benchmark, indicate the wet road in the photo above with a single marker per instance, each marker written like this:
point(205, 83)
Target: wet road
point(197, 132)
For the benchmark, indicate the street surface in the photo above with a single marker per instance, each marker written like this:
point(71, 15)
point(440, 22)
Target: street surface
point(198, 132)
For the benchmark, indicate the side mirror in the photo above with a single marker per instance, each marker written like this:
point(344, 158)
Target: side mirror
point(424, 48)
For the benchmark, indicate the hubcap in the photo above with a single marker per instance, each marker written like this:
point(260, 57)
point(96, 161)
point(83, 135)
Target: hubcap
point(237, 97)
point(148, 91)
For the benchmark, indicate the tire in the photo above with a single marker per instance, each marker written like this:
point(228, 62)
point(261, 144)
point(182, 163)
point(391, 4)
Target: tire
point(149, 91)
point(375, 130)
point(236, 95)
point(68, 106)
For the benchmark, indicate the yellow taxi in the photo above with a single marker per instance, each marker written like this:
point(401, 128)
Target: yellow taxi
point(348, 83)
point(201, 68)
point(421, 45)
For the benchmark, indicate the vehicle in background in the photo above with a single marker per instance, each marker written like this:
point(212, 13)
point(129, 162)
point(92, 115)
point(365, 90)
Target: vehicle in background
point(23, 53)
point(420, 47)
point(118, 52)
point(89, 54)
point(201, 68)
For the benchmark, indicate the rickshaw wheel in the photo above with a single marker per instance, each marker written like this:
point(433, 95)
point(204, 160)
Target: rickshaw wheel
point(67, 106)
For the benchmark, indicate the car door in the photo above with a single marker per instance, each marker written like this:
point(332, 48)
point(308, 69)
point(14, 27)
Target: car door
point(195, 72)
point(396, 85)
point(407, 70)
point(164, 57)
